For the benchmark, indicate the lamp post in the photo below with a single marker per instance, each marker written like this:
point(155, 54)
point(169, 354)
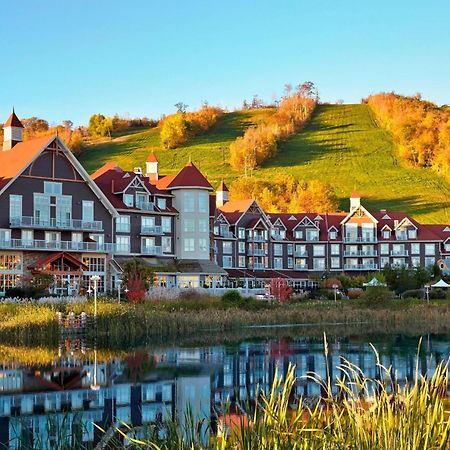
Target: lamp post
point(119, 286)
point(95, 279)
point(335, 286)
point(427, 292)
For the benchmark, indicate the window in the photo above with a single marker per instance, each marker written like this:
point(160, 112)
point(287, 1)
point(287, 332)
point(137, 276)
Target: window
point(241, 261)
point(278, 249)
point(52, 236)
point(166, 223)
point(123, 224)
point(290, 249)
point(203, 202)
point(430, 249)
point(203, 225)
point(415, 249)
point(386, 234)
point(312, 235)
point(5, 235)
point(384, 249)
point(95, 264)
point(189, 244)
point(298, 234)
point(278, 263)
point(15, 207)
point(162, 203)
point(300, 250)
point(128, 200)
point(123, 244)
point(166, 244)
point(41, 209)
point(333, 234)
point(147, 224)
point(52, 188)
point(335, 249)
point(415, 261)
point(77, 237)
point(227, 247)
point(27, 237)
point(335, 263)
point(241, 233)
point(63, 210)
point(227, 261)
point(148, 245)
point(188, 225)
point(319, 264)
point(429, 262)
point(203, 244)
point(188, 201)
point(290, 263)
point(319, 250)
point(88, 211)
point(412, 234)
point(99, 238)
point(384, 261)
point(241, 247)
point(141, 199)
point(10, 262)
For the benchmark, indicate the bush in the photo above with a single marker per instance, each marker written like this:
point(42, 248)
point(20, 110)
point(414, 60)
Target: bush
point(413, 293)
point(377, 295)
point(354, 293)
point(437, 294)
point(232, 296)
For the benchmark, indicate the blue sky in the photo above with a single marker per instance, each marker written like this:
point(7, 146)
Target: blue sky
point(71, 59)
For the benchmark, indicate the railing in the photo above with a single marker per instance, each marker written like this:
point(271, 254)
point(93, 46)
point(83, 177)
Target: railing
point(277, 237)
point(401, 236)
point(360, 266)
point(257, 266)
point(33, 244)
point(148, 206)
point(300, 253)
point(256, 239)
point(63, 224)
point(361, 253)
point(301, 267)
point(257, 252)
point(155, 229)
point(226, 234)
point(151, 250)
point(349, 238)
point(399, 253)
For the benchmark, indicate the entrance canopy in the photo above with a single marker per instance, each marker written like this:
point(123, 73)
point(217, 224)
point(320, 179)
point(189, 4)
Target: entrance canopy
point(58, 262)
point(440, 284)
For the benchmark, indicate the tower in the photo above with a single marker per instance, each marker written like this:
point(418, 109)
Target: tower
point(222, 195)
point(151, 166)
point(13, 132)
point(355, 200)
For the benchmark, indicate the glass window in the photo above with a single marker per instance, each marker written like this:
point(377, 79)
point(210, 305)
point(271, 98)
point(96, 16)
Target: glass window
point(333, 234)
point(278, 249)
point(430, 249)
point(384, 261)
point(415, 249)
point(188, 202)
point(384, 249)
point(77, 237)
point(63, 210)
point(203, 225)
point(241, 261)
point(99, 238)
point(166, 223)
point(298, 234)
point(41, 209)
point(203, 202)
point(162, 203)
point(335, 263)
point(290, 249)
point(5, 235)
point(88, 211)
point(319, 250)
point(189, 244)
point(166, 244)
point(141, 200)
point(312, 235)
point(10, 262)
point(123, 224)
point(94, 263)
point(189, 225)
point(128, 199)
point(123, 244)
point(241, 233)
point(203, 244)
point(290, 263)
point(52, 188)
point(278, 263)
point(15, 207)
point(429, 262)
point(227, 261)
point(412, 234)
point(319, 264)
point(241, 247)
point(27, 236)
point(386, 234)
point(335, 249)
point(227, 247)
point(415, 261)
point(52, 236)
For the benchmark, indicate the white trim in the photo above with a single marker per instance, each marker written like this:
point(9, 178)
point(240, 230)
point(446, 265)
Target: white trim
point(306, 222)
point(406, 219)
point(281, 222)
point(351, 214)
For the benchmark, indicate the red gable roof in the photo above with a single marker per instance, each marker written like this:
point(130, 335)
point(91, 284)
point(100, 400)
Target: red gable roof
point(13, 121)
point(222, 187)
point(152, 158)
point(189, 176)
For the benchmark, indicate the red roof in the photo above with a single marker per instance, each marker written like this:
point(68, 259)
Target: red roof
point(152, 158)
point(355, 194)
point(189, 176)
point(222, 187)
point(13, 121)
point(45, 260)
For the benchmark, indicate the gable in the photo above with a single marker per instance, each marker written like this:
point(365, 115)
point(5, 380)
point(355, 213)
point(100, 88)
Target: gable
point(405, 223)
point(306, 222)
point(279, 223)
point(222, 219)
point(359, 215)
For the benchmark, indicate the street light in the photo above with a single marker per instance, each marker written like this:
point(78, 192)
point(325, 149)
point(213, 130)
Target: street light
point(119, 287)
point(427, 292)
point(335, 286)
point(95, 279)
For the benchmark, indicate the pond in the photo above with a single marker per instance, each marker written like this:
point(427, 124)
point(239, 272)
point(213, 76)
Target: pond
point(47, 393)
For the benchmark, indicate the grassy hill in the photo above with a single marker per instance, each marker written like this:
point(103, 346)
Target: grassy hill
point(341, 145)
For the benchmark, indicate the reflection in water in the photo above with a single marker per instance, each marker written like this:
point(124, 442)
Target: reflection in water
point(79, 389)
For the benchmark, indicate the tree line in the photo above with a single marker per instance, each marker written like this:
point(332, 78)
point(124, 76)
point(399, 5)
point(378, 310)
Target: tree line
point(178, 128)
point(260, 142)
point(421, 129)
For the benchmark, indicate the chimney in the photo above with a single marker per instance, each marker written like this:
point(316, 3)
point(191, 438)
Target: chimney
point(137, 170)
point(13, 132)
point(222, 195)
point(152, 167)
point(355, 200)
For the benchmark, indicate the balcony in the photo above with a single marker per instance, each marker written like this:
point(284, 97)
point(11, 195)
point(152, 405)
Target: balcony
point(33, 244)
point(257, 252)
point(277, 237)
point(301, 267)
point(399, 253)
point(225, 234)
point(147, 206)
point(256, 266)
point(151, 250)
point(300, 253)
point(361, 253)
point(256, 238)
point(360, 266)
point(357, 239)
point(155, 229)
point(56, 224)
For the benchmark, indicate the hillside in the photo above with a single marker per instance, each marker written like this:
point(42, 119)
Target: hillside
point(341, 145)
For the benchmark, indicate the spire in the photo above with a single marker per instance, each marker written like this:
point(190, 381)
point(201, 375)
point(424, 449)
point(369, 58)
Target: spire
point(152, 157)
point(222, 195)
point(13, 132)
point(13, 121)
point(222, 187)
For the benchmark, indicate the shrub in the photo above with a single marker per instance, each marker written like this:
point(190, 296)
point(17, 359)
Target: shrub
point(354, 293)
point(413, 293)
point(377, 295)
point(232, 296)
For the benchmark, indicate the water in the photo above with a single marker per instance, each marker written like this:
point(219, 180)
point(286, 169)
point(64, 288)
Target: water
point(66, 390)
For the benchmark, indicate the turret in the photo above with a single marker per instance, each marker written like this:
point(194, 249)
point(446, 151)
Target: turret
point(355, 200)
point(13, 132)
point(222, 195)
point(152, 167)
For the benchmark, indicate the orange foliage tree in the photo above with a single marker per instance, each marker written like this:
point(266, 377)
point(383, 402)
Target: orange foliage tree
point(280, 289)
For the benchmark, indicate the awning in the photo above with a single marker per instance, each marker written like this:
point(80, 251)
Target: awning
point(440, 284)
point(374, 283)
point(71, 260)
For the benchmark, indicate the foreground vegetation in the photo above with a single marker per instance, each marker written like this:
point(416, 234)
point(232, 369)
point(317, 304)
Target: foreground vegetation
point(122, 325)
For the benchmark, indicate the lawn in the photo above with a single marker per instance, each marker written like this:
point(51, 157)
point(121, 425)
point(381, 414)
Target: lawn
point(342, 145)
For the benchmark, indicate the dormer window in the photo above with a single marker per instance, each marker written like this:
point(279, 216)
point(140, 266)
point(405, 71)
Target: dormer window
point(312, 235)
point(333, 234)
point(141, 199)
point(128, 200)
point(162, 203)
point(412, 234)
point(386, 234)
point(298, 234)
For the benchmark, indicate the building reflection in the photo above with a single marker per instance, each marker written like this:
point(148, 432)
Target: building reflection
point(78, 390)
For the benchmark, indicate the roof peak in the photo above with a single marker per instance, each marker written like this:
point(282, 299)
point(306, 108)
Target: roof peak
point(13, 121)
point(152, 157)
point(222, 187)
point(355, 194)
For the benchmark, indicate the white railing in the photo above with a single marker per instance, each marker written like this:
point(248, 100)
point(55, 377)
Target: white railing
point(361, 253)
point(277, 236)
point(226, 234)
point(399, 253)
point(256, 238)
point(361, 267)
point(33, 244)
point(350, 238)
point(148, 206)
point(155, 229)
point(63, 224)
point(257, 252)
point(151, 250)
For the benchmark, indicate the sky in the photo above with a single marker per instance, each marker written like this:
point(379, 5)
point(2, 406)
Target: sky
point(71, 59)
